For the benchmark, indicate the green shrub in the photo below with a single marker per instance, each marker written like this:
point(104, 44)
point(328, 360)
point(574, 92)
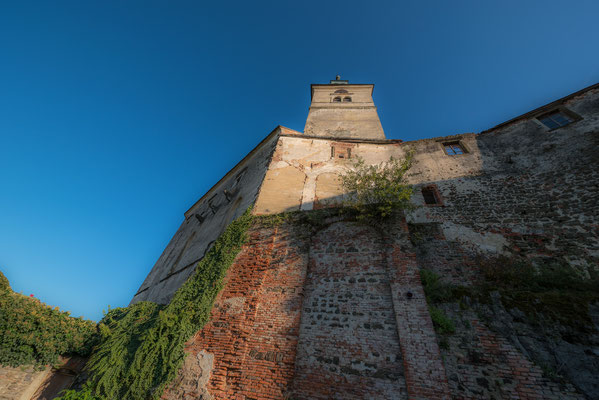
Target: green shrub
point(4, 285)
point(377, 191)
point(142, 346)
point(443, 324)
point(32, 332)
point(437, 292)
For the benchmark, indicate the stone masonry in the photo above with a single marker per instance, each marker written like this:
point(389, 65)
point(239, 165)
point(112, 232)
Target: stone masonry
point(339, 312)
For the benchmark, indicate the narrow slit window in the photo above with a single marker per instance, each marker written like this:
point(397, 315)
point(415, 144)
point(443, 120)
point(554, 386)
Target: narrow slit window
point(453, 148)
point(430, 196)
point(555, 119)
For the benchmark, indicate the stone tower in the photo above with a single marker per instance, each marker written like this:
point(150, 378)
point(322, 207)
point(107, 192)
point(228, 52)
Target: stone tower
point(343, 110)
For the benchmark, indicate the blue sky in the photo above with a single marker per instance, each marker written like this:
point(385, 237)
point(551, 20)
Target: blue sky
point(115, 116)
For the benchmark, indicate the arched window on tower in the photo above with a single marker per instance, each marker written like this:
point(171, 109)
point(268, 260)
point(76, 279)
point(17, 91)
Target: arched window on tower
point(341, 91)
point(347, 99)
point(337, 100)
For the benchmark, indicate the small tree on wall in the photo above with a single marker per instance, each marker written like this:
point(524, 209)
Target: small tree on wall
point(376, 191)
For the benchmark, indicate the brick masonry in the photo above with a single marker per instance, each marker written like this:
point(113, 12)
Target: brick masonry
point(484, 364)
point(349, 346)
point(317, 317)
point(248, 347)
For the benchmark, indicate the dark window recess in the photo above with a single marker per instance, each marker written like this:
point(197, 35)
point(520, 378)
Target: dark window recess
point(453, 148)
point(430, 197)
point(347, 99)
point(337, 100)
point(555, 119)
point(340, 152)
point(240, 175)
point(341, 91)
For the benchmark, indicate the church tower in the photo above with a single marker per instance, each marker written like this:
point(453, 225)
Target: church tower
point(343, 110)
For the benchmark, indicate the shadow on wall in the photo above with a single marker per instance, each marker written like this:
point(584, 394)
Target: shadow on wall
point(516, 191)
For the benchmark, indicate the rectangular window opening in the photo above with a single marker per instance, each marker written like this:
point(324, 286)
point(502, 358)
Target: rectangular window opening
point(453, 148)
point(555, 119)
point(430, 197)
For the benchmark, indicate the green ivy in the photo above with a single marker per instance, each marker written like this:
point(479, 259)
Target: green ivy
point(32, 332)
point(142, 346)
point(437, 292)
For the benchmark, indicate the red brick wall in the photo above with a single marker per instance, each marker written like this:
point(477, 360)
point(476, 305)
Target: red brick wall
point(424, 369)
point(316, 317)
point(253, 329)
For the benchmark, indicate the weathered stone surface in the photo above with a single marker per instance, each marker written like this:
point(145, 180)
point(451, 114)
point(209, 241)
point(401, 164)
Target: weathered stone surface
point(205, 221)
point(193, 378)
point(20, 383)
point(342, 314)
point(357, 118)
point(348, 346)
point(498, 358)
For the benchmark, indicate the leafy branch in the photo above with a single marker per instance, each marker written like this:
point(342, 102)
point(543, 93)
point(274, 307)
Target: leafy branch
point(376, 191)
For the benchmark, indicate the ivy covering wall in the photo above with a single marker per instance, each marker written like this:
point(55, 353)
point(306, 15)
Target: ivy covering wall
point(141, 347)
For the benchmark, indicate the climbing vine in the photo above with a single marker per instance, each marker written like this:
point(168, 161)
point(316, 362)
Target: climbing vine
point(142, 346)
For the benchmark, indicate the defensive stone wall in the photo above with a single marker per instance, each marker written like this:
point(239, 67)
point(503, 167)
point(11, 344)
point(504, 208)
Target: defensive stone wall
point(336, 310)
point(318, 314)
point(520, 189)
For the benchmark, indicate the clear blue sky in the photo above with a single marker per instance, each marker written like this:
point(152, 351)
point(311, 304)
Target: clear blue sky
point(116, 116)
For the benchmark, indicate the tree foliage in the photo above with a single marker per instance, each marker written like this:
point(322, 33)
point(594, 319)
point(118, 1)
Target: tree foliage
point(376, 191)
point(32, 332)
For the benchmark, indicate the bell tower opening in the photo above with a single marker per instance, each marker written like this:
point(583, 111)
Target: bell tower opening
point(343, 110)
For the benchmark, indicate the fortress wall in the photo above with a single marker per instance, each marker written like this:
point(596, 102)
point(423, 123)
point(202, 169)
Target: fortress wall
point(247, 349)
point(316, 317)
point(520, 189)
point(349, 345)
point(341, 314)
point(204, 222)
point(535, 196)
